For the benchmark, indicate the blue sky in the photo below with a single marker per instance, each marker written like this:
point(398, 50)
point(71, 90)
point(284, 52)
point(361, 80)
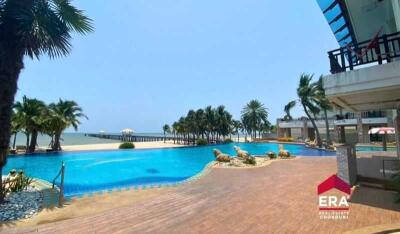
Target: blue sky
point(150, 61)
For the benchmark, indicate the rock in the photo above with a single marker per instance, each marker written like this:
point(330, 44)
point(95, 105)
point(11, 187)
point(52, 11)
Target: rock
point(216, 152)
point(223, 158)
point(21, 205)
point(241, 153)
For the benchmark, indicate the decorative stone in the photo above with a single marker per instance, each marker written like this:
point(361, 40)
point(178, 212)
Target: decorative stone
point(21, 205)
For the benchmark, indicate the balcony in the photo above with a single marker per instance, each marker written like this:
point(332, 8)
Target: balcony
point(375, 84)
point(378, 50)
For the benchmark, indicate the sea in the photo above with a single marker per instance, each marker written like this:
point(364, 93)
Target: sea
point(72, 139)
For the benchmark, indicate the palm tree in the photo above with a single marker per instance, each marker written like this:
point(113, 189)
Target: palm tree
point(210, 115)
point(287, 110)
point(166, 130)
point(16, 126)
point(200, 121)
point(255, 113)
point(308, 94)
point(223, 120)
point(175, 129)
point(237, 127)
point(288, 117)
point(63, 115)
point(30, 114)
point(32, 28)
point(325, 105)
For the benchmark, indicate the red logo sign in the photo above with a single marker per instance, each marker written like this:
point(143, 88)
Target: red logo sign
point(334, 182)
point(333, 206)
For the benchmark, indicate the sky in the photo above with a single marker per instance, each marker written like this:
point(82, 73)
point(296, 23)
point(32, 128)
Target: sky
point(149, 61)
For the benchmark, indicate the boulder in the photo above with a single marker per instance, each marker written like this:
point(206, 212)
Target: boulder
point(241, 153)
point(217, 152)
point(223, 158)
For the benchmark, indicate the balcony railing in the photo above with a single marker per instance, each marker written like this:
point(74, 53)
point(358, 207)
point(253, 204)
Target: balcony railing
point(385, 48)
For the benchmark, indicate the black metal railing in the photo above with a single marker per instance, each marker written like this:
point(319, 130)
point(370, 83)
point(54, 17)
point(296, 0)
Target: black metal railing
point(386, 47)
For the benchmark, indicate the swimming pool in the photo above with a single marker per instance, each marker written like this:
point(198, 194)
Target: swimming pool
point(373, 148)
point(105, 170)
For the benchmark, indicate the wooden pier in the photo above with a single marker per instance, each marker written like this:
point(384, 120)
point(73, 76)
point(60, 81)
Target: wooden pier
point(139, 138)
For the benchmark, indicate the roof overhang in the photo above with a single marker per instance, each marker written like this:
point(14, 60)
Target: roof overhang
point(353, 21)
point(336, 13)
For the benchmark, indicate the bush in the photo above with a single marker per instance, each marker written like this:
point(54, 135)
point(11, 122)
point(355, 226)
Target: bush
point(228, 141)
point(16, 182)
point(271, 155)
point(127, 145)
point(201, 141)
point(250, 160)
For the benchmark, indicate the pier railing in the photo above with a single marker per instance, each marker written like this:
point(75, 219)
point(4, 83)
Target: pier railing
point(139, 138)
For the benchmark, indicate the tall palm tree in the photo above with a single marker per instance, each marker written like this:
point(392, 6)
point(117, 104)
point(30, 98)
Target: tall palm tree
point(33, 28)
point(255, 113)
point(63, 114)
point(30, 114)
point(210, 115)
point(308, 94)
point(325, 105)
point(166, 129)
point(237, 127)
point(15, 127)
point(288, 117)
point(200, 121)
point(223, 120)
point(175, 128)
point(288, 107)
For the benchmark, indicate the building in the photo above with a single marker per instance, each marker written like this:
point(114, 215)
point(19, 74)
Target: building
point(365, 69)
point(356, 126)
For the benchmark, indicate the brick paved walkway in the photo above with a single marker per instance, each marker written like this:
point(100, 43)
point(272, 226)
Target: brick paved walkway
point(278, 198)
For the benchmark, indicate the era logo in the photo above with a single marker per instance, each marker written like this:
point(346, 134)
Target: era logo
point(333, 206)
point(332, 201)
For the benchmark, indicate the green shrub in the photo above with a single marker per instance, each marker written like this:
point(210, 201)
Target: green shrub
point(250, 160)
point(201, 141)
point(228, 141)
point(271, 154)
point(127, 145)
point(16, 182)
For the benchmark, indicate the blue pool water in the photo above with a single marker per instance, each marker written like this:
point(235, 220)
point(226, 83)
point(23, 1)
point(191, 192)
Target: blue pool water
point(374, 148)
point(105, 170)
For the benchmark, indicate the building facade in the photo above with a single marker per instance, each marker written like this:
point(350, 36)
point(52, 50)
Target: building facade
point(356, 126)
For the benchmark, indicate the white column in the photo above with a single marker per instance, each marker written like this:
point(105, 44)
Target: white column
point(396, 13)
point(397, 128)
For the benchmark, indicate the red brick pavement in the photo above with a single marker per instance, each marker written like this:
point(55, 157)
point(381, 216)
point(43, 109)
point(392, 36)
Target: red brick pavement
point(278, 198)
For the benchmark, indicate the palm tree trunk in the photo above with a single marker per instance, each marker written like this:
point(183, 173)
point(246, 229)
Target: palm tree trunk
point(238, 137)
point(164, 136)
point(27, 140)
point(33, 143)
point(10, 69)
point(328, 137)
point(319, 142)
point(15, 140)
point(57, 144)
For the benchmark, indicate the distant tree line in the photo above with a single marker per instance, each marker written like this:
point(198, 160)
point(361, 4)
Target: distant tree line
point(217, 124)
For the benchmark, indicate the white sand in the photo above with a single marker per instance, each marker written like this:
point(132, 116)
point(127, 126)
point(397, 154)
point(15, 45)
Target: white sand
point(111, 146)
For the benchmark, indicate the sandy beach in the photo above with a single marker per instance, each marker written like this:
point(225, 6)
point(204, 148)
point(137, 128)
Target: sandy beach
point(114, 146)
